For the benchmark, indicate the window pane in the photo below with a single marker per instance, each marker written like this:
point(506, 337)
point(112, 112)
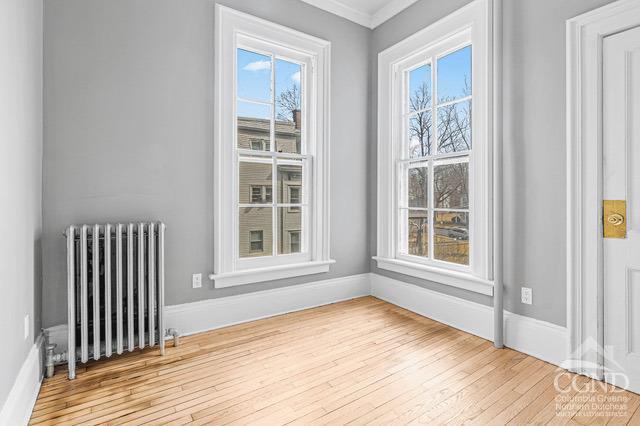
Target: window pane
point(418, 233)
point(288, 107)
point(454, 127)
point(420, 88)
point(418, 187)
point(454, 75)
point(289, 175)
point(255, 183)
point(256, 231)
point(420, 131)
point(289, 222)
point(254, 76)
point(254, 126)
point(450, 185)
point(451, 237)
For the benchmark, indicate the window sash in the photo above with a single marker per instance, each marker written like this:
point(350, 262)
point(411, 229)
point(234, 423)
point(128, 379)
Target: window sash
point(275, 159)
point(434, 158)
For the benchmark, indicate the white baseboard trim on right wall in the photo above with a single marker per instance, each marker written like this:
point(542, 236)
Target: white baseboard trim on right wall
point(540, 339)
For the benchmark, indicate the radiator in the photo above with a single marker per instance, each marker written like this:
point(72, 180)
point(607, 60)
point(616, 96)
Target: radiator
point(115, 288)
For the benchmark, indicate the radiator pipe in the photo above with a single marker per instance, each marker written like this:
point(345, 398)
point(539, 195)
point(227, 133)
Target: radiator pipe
point(498, 305)
point(49, 364)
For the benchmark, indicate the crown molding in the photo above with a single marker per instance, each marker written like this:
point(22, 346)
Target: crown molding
point(342, 10)
point(359, 17)
point(390, 10)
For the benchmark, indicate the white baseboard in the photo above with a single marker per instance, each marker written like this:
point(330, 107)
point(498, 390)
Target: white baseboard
point(471, 317)
point(22, 397)
point(205, 315)
point(540, 339)
point(537, 338)
point(191, 318)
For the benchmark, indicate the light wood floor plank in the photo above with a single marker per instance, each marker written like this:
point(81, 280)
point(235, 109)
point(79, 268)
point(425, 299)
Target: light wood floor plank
point(359, 362)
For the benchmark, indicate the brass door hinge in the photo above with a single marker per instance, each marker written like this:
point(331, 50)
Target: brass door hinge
point(614, 215)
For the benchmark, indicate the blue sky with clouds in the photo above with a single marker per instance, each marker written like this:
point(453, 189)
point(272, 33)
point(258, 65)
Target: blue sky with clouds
point(254, 81)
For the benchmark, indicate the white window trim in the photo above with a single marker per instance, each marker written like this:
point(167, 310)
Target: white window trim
point(231, 26)
point(472, 23)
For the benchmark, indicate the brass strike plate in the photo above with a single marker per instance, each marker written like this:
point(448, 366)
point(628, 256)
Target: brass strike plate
point(614, 214)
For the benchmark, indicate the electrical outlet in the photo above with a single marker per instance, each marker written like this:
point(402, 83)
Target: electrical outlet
point(196, 280)
point(527, 295)
point(27, 326)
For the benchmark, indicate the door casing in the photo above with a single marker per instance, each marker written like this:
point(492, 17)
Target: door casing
point(585, 266)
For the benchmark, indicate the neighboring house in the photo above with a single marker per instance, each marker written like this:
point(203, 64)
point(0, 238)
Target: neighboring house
point(256, 187)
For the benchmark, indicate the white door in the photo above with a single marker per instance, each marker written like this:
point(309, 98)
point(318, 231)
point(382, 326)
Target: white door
point(621, 181)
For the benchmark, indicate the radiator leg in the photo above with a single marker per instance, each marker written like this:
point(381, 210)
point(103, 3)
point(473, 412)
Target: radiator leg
point(176, 336)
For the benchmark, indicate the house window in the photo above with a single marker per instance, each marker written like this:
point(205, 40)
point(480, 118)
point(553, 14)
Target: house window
point(434, 144)
point(294, 195)
point(256, 241)
point(260, 194)
point(259, 144)
point(271, 153)
point(294, 241)
point(294, 198)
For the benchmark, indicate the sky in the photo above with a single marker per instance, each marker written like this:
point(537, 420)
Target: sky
point(254, 78)
point(452, 70)
point(254, 81)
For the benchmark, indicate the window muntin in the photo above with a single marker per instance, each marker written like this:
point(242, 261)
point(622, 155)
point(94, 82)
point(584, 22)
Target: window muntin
point(271, 152)
point(434, 210)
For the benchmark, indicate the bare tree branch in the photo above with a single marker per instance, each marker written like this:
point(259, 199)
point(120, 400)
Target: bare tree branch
point(288, 102)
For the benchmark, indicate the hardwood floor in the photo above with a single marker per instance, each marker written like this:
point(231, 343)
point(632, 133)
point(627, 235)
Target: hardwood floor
point(362, 361)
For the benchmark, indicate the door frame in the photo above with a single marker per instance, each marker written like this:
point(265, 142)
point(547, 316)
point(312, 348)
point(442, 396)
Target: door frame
point(585, 265)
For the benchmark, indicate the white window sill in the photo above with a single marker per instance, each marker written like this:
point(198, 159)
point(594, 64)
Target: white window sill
point(453, 278)
point(249, 276)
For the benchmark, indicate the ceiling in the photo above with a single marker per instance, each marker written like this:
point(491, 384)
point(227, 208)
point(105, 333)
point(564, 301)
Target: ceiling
point(369, 13)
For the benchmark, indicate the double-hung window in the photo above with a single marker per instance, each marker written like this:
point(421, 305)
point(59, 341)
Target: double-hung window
point(271, 151)
point(434, 146)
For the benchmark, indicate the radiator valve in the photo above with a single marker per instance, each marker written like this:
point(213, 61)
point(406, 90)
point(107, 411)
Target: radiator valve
point(50, 363)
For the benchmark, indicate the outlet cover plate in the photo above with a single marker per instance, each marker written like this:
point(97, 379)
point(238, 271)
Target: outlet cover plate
point(196, 280)
point(527, 295)
point(27, 326)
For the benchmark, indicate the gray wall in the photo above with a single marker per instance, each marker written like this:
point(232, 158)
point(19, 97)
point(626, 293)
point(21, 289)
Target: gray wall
point(128, 134)
point(534, 145)
point(129, 131)
point(20, 182)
